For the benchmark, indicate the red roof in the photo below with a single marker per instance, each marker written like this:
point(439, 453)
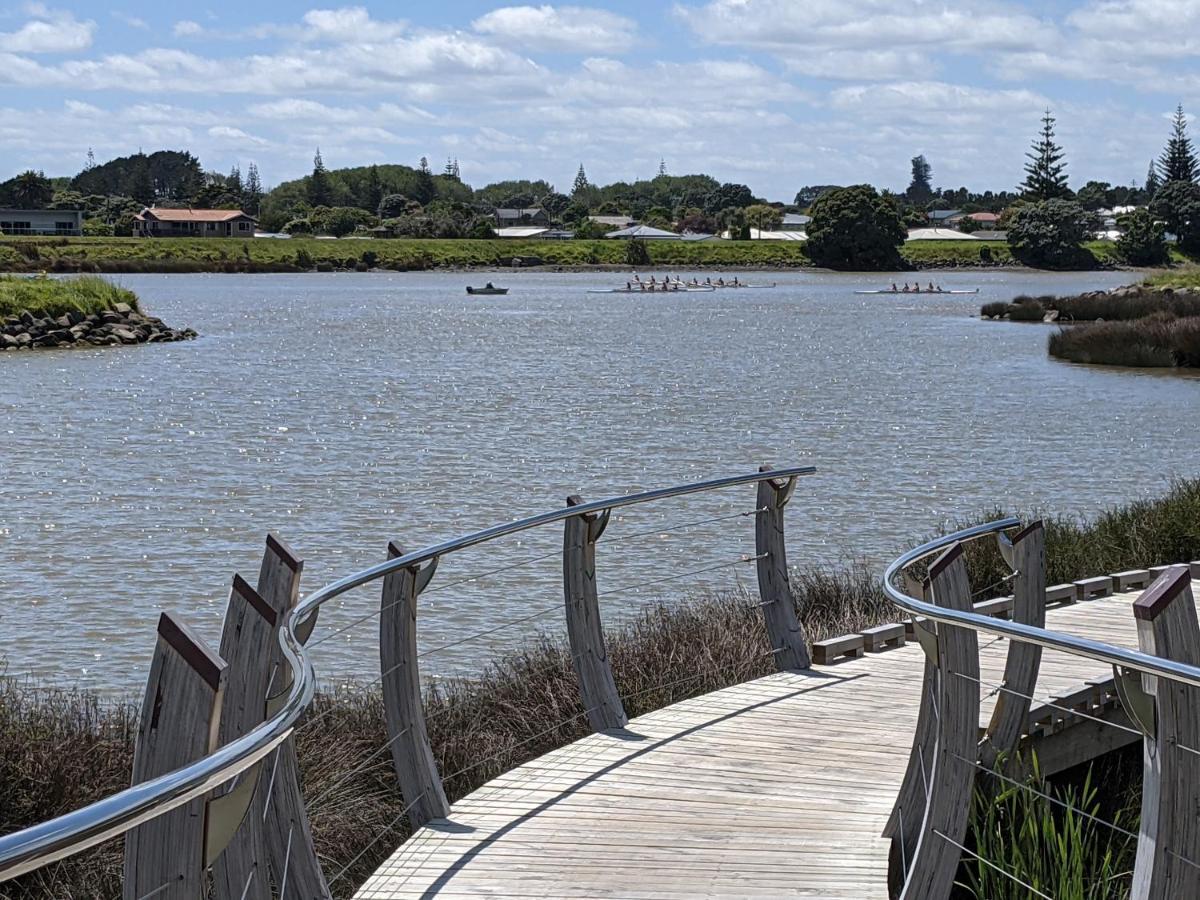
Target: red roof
point(191, 215)
point(984, 217)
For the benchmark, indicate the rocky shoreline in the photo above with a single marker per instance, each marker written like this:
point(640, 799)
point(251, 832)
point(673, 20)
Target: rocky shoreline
point(120, 325)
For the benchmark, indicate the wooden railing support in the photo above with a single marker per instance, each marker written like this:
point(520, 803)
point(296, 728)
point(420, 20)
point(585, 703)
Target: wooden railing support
point(952, 773)
point(1024, 659)
point(165, 856)
point(404, 710)
point(279, 802)
point(240, 871)
point(779, 611)
point(597, 689)
point(1169, 841)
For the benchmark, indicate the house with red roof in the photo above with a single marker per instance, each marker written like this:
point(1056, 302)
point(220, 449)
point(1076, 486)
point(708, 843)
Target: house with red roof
point(158, 221)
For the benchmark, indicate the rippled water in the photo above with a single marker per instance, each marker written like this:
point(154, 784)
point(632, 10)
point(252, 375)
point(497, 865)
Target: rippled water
point(344, 411)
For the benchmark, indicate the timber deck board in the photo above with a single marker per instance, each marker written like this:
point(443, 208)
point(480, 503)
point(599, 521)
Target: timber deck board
point(772, 788)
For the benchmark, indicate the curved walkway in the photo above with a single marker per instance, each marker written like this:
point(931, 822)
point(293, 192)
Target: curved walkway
point(777, 787)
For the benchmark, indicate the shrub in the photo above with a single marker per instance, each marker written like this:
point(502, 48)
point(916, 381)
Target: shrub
point(1142, 343)
point(1050, 234)
point(855, 228)
point(994, 310)
point(636, 253)
point(1027, 312)
point(370, 259)
point(1177, 204)
point(304, 259)
point(1142, 243)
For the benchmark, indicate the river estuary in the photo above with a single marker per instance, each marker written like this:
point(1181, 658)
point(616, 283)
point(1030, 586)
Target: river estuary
point(343, 411)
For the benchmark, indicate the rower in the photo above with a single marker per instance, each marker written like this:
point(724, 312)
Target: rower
point(735, 281)
point(931, 286)
point(489, 286)
point(907, 289)
point(895, 290)
point(628, 286)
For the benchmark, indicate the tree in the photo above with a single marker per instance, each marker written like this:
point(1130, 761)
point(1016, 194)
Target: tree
point(233, 182)
point(662, 168)
point(581, 185)
point(636, 253)
point(253, 191)
point(29, 190)
point(320, 192)
point(425, 189)
point(1153, 182)
point(340, 220)
point(451, 170)
point(138, 183)
point(391, 206)
point(374, 188)
point(1094, 195)
point(1050, 234)
point(920, 189)
point(1178, 161)
point(555, 204)
point(1045, 173)
point(728, 195)
point(807, 195)
point(1142, 242)
point(90, 162)
point(855, 228)
point(764, 217)
point(1177, 205)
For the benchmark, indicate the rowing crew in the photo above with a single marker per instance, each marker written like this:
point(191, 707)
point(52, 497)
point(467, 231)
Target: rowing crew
point(695, 282)
point(917, 289)
point(651, 286)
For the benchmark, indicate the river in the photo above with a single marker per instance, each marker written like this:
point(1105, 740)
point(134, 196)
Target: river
point(343, 411)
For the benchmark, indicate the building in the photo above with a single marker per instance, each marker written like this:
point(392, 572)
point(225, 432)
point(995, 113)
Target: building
point(644, 233)
point(941, 216)
point(521, 232)
point(154, 221)
point(65, 222)
point(795, 221)
point(938, 234)
point(613, 221)
point(530, 215)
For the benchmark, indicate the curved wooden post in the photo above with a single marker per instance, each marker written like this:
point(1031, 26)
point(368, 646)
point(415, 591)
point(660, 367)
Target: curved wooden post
point(412, 756)
point(779, 611)
point(1024, 659)
point(597, 689)
point(1169, 840)
point(178, 725)
point(240, 871)
point(279, 802)
point(904, 825)
point(952, 776)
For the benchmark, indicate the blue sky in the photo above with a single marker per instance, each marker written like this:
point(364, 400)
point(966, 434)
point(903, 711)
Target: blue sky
point(774, 93)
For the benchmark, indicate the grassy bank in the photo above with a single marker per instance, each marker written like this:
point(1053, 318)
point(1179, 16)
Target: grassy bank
point(60, 750)
point(123, 255)
point(54, 296)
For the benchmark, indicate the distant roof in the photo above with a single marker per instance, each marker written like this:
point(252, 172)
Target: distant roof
point(644, 232)
point(507, 213)
point(696, 237)
point(983, 217)
point(939, 234)
point(937, 215)
point(615, 221)
point(987, 235)
point(521, 231)
point(168, 214)
point(796, 219)
point(793, 235)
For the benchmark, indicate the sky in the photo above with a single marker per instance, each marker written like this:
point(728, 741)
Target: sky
point(776, 94)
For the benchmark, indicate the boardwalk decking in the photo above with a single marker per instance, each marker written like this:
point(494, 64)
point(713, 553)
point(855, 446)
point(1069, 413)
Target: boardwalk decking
point(777, 787)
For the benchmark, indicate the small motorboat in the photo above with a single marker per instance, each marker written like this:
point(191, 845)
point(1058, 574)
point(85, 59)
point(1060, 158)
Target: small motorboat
point(488, 288)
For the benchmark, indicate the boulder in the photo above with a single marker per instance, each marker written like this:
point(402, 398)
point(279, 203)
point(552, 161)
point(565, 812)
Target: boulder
point(7, 341)
point(46, 340)
point(110, 318)
point(125, 336)
point(63, 321)
point(23, 339)
point(26, 317)
point(75, 316)
point(123, 308)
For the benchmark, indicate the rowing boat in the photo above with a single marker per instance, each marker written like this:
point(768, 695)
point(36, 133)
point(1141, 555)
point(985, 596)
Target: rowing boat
point(961, 291)
point(489, 290)
point(654, 290)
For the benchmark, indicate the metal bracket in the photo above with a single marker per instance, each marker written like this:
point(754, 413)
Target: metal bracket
point(1139, 705)
point(224, 814)
point(305, 629)
point(927, 638)
point(597, 523)
point(422, 577)
point(1006, 549)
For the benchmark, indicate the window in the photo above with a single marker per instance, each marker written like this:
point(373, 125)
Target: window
point(64, 226)
point(243, 226)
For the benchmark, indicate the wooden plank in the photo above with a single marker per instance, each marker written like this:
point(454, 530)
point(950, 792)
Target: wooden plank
point(883, 637)
point(1091, 588)
point(1131, 579)
point(1000, 607)
point(1062, 593)
point(178, 725)
point(829, 651)
point(784, 630)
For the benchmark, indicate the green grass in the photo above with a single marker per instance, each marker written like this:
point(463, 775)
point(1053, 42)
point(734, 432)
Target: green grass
point(1186, 277)
point(56, 296)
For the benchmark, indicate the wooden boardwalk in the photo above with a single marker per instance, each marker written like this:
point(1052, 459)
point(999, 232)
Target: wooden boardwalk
point(777, 787)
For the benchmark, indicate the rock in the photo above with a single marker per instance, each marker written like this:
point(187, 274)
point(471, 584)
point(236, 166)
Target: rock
point(46, 340)
point(63, 322)
point(125, 336)
point(26, 317)
point(110, 318)
point(7, 341)
point(123, 308)
point(75, 316)
point(23, 339)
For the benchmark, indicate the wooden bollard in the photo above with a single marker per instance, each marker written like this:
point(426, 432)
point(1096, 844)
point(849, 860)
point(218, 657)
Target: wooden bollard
point(280, 802)
point(952, 773)
point(404, 710)
point(1024, 659)
point(241, 869)
point(784, 630)
point(597, 689)
point(178, 725)
point(1169, 839)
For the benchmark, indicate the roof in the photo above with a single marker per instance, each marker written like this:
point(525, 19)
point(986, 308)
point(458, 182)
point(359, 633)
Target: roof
point(644, 232)
point(796, 219)
point(507, 213)
point(166, 214)
point(794, 235)
point(521, 231)
point(697, 237)
point(939, 234)
point(985, 234)
point(615, 221)
point(937, 215)
point(983, 217)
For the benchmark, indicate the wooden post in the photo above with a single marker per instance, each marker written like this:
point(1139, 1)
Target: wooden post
point(589, 655)
point(412, 756)
point(1024, 659)
point(279, 802)
point(952, 776)
point(1168, 848)
point(779, 611)
point(240, 872)
point(178, 725)
point(904, 824)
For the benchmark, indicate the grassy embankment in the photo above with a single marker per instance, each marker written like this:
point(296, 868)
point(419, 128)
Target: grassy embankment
point(54, 297)
point(122, 255)
point(62, 749)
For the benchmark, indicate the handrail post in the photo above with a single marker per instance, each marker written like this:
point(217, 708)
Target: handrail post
point(952, 772)
point(404, 709)
point(589, 656)
point(1169, 840)
point(166, 855)
point(779, 611)
point(1024, 659)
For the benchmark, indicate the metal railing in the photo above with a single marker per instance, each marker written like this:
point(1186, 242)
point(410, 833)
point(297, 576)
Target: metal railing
point(74, 832)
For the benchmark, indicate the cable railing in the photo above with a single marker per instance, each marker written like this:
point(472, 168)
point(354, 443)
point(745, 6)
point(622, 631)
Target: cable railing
point(264, 755)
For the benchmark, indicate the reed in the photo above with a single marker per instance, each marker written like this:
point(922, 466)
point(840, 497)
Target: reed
point(1160, 340)
point(56, 296)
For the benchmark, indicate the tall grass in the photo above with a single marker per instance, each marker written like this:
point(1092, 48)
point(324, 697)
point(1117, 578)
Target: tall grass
point(56, 296)
point(1160, 340)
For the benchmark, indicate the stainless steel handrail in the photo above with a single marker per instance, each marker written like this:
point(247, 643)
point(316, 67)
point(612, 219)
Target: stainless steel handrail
point(1030, 634)
point(44, 843)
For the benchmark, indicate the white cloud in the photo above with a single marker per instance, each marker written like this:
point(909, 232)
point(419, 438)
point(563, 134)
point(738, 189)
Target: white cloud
point(49, 31)
point(349, 24)
point(235, 136)
point(571, 29)
point(131, 21)
point(187, 28)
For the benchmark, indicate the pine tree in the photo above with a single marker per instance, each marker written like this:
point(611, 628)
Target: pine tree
point(233, 183)
point(374, 187)
point(920, 190)
point(1045, 173)
point(1178, 161)
point(252, 194)
point(1153, 183)
point(426, 189)
point(662, 167)
point(581, 182)
point(91, 161)
point(455, 170)
point(320, 193)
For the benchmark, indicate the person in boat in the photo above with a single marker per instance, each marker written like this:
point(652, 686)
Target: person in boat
point(629, 285)
point(895, 290)
point(708, 279)
point(931, 287)
point(721, 282)
point(735, 281)
point(905, 289)
point(489, 287)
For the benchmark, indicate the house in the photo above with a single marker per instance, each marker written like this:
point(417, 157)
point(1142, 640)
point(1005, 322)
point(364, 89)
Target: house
point(644, 233)
point(613, 221)
point(790, 235)
point(521, 231)
point(155, 221)
point(939, 234)
point(795, 221)
point(530, 215)
point(984, 219)
point(64, 222)
point(941, 216)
